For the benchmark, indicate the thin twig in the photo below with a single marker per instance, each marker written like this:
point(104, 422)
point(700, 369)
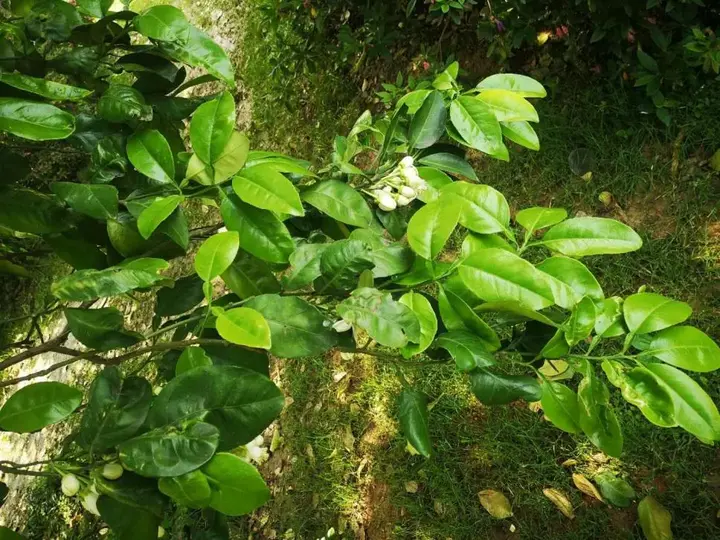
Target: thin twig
point(13, 470)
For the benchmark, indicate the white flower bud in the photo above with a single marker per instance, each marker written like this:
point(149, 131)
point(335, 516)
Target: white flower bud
point(161, 531)
point(408, 192)
point(387, 203)
point(403, 201)
point(387, 189)
point(112, 471)
point(341, 326)
point(411, 174)
point(89, 502)
point(70, 485)
point(407, 161)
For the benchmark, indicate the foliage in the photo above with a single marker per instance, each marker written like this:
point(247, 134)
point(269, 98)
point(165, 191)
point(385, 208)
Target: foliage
point(334, 238)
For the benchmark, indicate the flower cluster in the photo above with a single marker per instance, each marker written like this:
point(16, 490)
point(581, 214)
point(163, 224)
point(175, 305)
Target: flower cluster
point(400, 187)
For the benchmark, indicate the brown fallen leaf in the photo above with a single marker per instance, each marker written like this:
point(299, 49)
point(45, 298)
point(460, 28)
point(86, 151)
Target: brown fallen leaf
point(586, 486)
point(497, 504)
point(559, 499)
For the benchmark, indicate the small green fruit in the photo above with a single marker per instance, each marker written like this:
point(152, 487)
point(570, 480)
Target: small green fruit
point(112, 471)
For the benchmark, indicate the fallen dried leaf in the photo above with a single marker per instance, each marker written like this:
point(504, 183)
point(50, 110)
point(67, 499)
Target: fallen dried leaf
point(411, 486)
point(496, 504)
point(339, 376)
point(559, 499)
point(569, 463)
point(586, 486)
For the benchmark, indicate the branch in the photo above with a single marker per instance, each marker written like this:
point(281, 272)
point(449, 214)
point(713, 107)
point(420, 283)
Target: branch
point(13, 470)
point(48, 346)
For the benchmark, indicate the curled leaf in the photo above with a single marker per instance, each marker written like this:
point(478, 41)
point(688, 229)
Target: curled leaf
point(559, 499)
point(497, 504)
point(586, 486)
point(654, 519)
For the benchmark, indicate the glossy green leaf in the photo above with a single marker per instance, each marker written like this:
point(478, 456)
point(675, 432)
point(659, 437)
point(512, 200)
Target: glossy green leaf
point(232, 158)
point(297, 327)
point(161, 209)
point(150, 154)
point(521, 133)
point(191, 358)
point(537, 217)
point(449, 163)
point(654, 518)
point(650, 312)
point(248, 276)
point(477, 242)
point(388, 322)
point(609, 318)
point(121, 103)
point(508, 106)
point(428, 322)
point(430, 227)
point(95, 8)
point(435, 180)
point(244, 326)
point(212, 126)
point(340, 202)
point(241, 403)
point(262, 186)
point(51, 90)
point(95, 200)
point(116, 409)
point(92, 284)
point(428, 123)
point(35, 121)
point(127, 522)
point(596, 418)
point(493, 388)
point(26, 210)
point(615, 490)
point(389, 258)
point(182, 297)
point(216, 254)
point(581, 321)
point(467, 349)
point(38, 405)
point(413, 416)
point(413, 100)
point(341, 264)
point(484, 209)
point(191, 489)
point(522, 85)
point(101, 329)
point(476, 123)
point(578, 237)
point(453, 307)
point(570, 280)
point(132, 490)
point(164, 23)
point(304, 266)
point(237, 487)
point(685, 347)
point(262, 234)
point(199, 50)
point(560, 405)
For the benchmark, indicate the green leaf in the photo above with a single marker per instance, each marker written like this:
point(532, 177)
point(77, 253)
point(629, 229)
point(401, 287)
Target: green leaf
point(654, 517)
point(115, 411)
point(521, 133)
point(38, 405)
point(232, 158)
point(244, 326)
point(48, 89)
point(435, 180)
point(164, 23)
point(92, 284)
point(508, 106)
point(413, 416)
point(25, 210)
point(121, 103)
point(341, 264)
point(428, 322)
point(296, 326)
point(170, 450)
point(95, 8)
point(182, 297)
point(650, 312)
point(647, 61)
point(615, 490)
point(190, 489)
point(262, 186)
point(476, 124)
point(191, 358)
point(53, 20)
point(596, 418)
point(95, 200)
point(484, 209)
point(160, 210)
point(454, 307)
point(241, 403)
point(467, 349)
point(304, 266)
point(199, 50)
point(8, 534)
point(216, 254)
point(431, 226)
point(101, 329)
point(450, 163)
point(248, 276)
point(3, 493)
point(261, 233)
point(582, 236)
point(581, 322)
point(35, 121)
point(537, 217)
point(522, 85)
point(76, 252)
point(497, 275)
point(493, 388)
point(212, 126)
point(388, 322)
point(570, 280)
point(132, 490)
point(150, 154)
point(389, 258)
point(127, 522)
point(514, 308)
point(428, 124)
point(560, 405)
point(685, 347)
point(609, 318)
point(237, 487)
point(478, 242)
point(414, 100)
point(340, 202)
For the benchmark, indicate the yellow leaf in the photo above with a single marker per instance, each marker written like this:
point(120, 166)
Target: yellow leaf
point(542, 37)
point(569, 463)
point(495, 503)
point(586, 486)
point(557, 370)
point(654, 519)
point(559, 499)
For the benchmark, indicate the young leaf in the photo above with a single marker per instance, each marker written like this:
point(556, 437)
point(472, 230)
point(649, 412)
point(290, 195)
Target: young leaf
point(468, 350)
point(596, 418)
point(101, 329)
point(428, 124)
point(262, 186)
point(151, 218)
point(150, 154)
point(508, 106)
point(216, 254)
point(536, 218)
point(435, 180)
point(560, 405)
point(38, 405)
point(340, 202)
point(463, 317)
point(570, 280)
point(232, 158)
point(685, 347)
point(191, 358)
point(199, 50)
point(431, 226)
point(244, 326)
point(609, 318)
point(413, 415)
point(484, 209)
point(654, 517)
point(499, 389)
point(582, 236)
point(522, 85)
point(650, 312)
point(237, 487)
point(581, 322)
point(476, 123)
point(521, 133)
point(95, 200)
point(35, 121)
point(427, 319)
point(164, 23)
point(212, 126)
